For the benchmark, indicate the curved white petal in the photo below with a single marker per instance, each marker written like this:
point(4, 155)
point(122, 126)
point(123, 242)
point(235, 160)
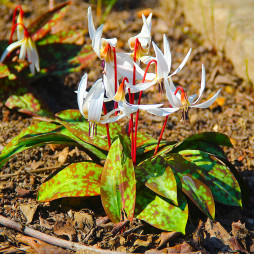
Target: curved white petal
point(30, 58)
point(96, 41)
point(114, 118)
point(91, 26)
point(112, 41)
point(109, 80)
point(208, 102)
point(192, 98)
point(146, 59)
point(148, 20)
point(35, 56)
point(81, 93)
point(96, 103)
point(172, 98)
point(202, 85)
point(140, 86)
point(179, 68)
point(162, 111)
point(162, 67)
point(172, 87)
point(23, 51)
point(167, 53)
point(10, 48)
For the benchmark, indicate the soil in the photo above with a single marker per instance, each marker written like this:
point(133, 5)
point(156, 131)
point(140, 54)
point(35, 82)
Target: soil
point(232, 114)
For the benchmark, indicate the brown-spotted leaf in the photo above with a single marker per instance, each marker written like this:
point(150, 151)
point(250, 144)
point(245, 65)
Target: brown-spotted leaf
point(26, 103)
point(157, 175)
point(77, 180)
point(220, 180)
point(43, 24)
point(118, 184)
point(192, 183)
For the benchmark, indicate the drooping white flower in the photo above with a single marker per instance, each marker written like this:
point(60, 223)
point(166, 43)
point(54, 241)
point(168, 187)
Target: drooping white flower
point(27, 48)
point(163, 67)
point(181, 101)
point(144, 38)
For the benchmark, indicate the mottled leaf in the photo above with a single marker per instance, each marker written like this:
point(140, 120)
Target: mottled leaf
point(159, 211)
point(118, 184)
point(71, 115)
point(26, 103)
point(77, 180)
point(13, 146)
point(156, 174)
point(192, 183)
point(220, 180)
point(43, 24)
point(213, 138)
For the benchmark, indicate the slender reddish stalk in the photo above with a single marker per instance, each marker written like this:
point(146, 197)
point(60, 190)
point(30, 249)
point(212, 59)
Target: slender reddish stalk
point(139, 101)
point(107, 127)
point(115, 76)
point(13, 21)
point(164, 125)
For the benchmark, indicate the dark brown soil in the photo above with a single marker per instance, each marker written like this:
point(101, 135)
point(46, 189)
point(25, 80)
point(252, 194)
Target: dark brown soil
point(232, 114)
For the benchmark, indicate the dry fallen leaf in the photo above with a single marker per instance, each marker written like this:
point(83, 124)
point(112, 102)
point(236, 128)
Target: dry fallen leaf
point(84, 220)
point(166, 237)
point(29, 211)
point(65, 229)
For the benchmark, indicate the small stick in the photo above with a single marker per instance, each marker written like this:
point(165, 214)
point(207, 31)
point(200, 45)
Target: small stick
point(51, 239)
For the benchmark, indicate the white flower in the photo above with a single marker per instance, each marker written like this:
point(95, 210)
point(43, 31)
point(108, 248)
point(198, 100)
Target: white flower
point(181, 101)
point(101, 46)
point(144, 38)
point(163, 67)
point(27, 47)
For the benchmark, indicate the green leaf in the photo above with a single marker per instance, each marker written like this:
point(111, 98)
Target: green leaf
point(81, 131)
point(13, 146)
point(213, 138)
point(43, 24)
point(160, 212)
point(156, 174)
point(118, 184)
point(192, 183)
point(221, 181)
point(77, 180)
point(27, 104)
point(70, 115)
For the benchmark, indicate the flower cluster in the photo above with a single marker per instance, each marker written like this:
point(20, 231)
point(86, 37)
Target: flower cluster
point(126, 67)
point(25, 42)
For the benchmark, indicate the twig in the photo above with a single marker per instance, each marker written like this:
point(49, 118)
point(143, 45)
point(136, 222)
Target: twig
point(51, 239)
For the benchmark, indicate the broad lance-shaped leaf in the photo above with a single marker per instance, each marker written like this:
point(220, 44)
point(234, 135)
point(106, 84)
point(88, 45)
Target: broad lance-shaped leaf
point(192, 183)
point(156, 174)
point(213, 138)
point(118, 184)
point(42, 25)
point(11, 147)
point(70, 115)
point(221, 181)
point(26, 103)
point(61, 135)
point(159, 211)
point(77, 180)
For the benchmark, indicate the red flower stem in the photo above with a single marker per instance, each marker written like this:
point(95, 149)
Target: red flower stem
point(164, 125)
point(115, 76)
point(107, 127)
point(139, 101)
point(13, 20)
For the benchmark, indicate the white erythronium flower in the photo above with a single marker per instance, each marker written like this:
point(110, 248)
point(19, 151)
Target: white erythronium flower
point(163, 67)
point(144, 38)
point(27, 47)
point(101, 46)
point(181, 101)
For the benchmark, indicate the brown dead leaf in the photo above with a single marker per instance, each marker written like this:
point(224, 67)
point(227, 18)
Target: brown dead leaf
point(29, 211)
point(65, 229)
point(119, 226)
point(84, 220)
point(215, 230)
point(102, 220)
point(198, 235)
point(22, 192)
point(62, 156)
point(35, 165)
point(41, 247)
point(166, 237)
point(44, 223)
point(179, 248)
